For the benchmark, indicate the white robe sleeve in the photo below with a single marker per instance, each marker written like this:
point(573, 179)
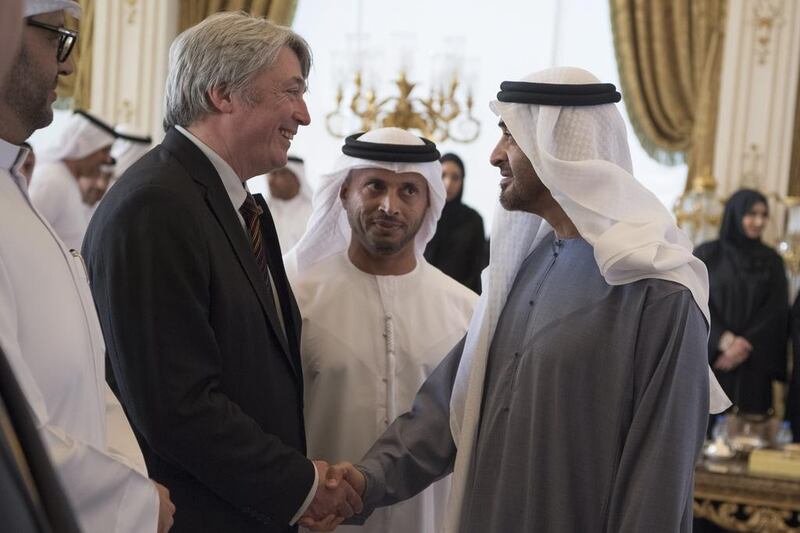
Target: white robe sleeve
point(105, 489)
point(120, 438)
point(107, 492)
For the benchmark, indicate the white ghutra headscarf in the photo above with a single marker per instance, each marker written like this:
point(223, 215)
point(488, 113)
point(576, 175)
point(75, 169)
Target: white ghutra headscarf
point(128, 148)
point(296, 166)
point(328, 231)
point(37, 7)
point(82, 134)
point(633, 235)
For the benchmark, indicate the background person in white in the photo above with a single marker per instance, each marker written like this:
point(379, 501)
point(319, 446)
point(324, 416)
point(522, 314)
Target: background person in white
point(78, 154)
point(377, 317)
point(289, 200)
point(128, 147)
point(48, 325)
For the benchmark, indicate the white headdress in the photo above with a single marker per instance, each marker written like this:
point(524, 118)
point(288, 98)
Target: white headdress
point(37, 7)
point(328, 231)
point(128, 147)
point(297, 167)
point(82, 135)
point(580, 153)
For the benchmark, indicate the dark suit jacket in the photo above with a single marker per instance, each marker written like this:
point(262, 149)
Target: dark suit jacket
point(211, 385)
point(46, 509)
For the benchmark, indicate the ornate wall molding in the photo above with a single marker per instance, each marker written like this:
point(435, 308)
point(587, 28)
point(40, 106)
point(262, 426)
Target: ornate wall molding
point(131, 42)
point(767, 18)
point(760, 68)
point(132, 11)
point(752, 167)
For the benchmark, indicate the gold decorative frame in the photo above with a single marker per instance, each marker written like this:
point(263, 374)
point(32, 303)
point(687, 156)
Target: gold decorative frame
point(765, 504)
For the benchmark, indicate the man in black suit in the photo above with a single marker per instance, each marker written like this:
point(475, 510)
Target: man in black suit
point(201, 325)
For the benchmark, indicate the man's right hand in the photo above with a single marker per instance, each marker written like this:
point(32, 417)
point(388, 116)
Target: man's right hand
point(334, 483)
point(346, 472)
point(166, 509)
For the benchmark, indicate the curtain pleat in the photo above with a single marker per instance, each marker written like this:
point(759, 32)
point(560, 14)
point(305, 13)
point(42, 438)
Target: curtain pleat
point(278, 11)
point(75, 91)
point(669, 55)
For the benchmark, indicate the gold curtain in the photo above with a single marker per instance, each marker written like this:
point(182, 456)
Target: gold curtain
point(75, 91)
point(794, 168)
point(193, 11)
point(669, 55)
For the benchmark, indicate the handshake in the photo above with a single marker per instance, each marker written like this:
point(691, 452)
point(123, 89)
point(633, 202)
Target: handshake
point(338, 496)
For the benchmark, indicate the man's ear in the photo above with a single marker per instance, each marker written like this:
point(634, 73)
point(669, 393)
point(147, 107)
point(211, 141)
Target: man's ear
point(345, 188)
point(220, 99)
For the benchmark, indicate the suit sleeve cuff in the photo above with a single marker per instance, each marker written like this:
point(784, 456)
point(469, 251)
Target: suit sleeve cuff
point(300, 512)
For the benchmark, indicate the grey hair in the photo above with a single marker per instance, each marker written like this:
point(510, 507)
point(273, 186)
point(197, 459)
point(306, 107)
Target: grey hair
point(226, 50)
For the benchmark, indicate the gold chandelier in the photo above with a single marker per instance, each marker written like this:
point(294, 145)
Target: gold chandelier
point(698, 211)
point(439, 117)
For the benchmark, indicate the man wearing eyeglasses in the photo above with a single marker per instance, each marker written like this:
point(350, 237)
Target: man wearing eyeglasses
point(49, 329)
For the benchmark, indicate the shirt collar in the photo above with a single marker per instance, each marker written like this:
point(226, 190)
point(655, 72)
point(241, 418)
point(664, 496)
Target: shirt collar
point(11, 157)
point(233, 185)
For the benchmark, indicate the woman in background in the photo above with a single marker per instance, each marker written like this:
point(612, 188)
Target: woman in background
point(459, 247)
point(749, 305)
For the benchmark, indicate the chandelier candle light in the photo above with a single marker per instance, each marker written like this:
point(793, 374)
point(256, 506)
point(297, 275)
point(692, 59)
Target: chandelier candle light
point(440, 116)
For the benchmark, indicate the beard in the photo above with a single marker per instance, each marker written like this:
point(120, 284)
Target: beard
point(26, 93)
point(524, 193)
point(511, 199)
point(377, 245)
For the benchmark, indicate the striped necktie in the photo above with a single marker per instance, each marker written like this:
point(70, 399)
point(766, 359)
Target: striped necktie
point(251, 213)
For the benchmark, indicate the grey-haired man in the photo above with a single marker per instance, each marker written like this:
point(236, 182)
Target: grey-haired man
point(202, 326)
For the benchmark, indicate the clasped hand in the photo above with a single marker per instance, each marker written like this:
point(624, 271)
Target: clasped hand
point(338, 496)
point(736, 354)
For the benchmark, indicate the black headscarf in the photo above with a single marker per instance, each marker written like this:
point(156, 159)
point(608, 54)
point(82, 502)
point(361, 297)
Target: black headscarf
point(459, 246)
point(453, 158)
point(748, 297)
point(738, 205)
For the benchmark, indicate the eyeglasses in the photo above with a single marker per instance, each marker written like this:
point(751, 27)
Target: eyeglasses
point(66, 38)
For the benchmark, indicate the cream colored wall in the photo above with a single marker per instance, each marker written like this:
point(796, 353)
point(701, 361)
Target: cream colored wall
point(757, 101)
point(131, 41)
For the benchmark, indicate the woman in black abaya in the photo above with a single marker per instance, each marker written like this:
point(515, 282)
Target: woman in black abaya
point(459, 247)
point(749, 305)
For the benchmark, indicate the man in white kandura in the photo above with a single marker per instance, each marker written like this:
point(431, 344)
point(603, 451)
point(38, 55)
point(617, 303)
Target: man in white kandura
point(63, 188)
point(288, 196)
point(49, 329)
point(377, 317)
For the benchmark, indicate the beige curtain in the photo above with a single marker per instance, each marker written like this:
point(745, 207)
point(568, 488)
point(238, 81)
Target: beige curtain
point(193, 11)
point(669, 55)
point(75, 91)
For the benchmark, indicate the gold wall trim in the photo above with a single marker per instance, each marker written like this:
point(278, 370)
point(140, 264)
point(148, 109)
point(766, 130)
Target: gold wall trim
point(767, 18)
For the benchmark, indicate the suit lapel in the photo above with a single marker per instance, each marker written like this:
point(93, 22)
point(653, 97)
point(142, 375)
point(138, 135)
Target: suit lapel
point(203, 172)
